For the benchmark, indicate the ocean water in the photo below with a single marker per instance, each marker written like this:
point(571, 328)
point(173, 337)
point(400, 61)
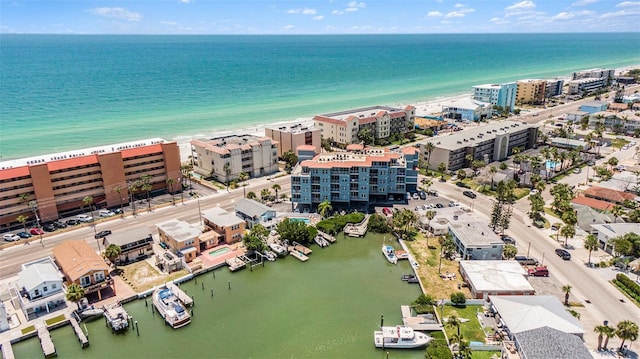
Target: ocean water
point(65, 92)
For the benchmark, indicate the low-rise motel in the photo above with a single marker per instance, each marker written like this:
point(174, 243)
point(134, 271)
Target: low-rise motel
point(43, 188)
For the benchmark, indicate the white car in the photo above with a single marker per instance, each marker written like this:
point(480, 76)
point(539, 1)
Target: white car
point(105, 213)
point(84, 218)
point(577, 170)
point(533, 191)
point(10, 237)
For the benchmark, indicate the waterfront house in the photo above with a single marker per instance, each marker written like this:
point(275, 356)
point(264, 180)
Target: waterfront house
point(39, 289)
point(466, 109)
point(228, 228)
point(358, 179)
point(182, 238)
point(81, 265)
point(135, 244)
point(254, 212)
point(289, 138)
point(490, 278)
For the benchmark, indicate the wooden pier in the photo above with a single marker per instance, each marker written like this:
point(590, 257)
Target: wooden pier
point(299, 255)
point(418, 322)
point(235, 263)
point(182, 296)
point(357, 229)
point(300, 248)
point(7, 350)
point(82, 338)
point(46, 343)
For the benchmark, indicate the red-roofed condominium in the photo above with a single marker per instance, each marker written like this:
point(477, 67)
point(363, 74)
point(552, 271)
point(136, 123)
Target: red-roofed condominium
point(382, 122)
point(355, 179)
point(44, 188)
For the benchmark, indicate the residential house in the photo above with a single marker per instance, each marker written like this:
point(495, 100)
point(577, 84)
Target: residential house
point(288, 138)
point(135, 244)
point(306, 152)
point(181, 237)
point(254, 212)
point(39, 289)
point(227, 226)
point(467, 109)
point(609, 195)
point(606, 232)
point(495, 278)
point(81, 265)
point(546, 342)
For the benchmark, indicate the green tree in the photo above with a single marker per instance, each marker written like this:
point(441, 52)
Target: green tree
point(509, 251)
point(170, 183)
point(503, 166)
point(265, 194)
point(290, 160)
point(464, 350)
point(146, 187)
point(454, 323)
point(251, 195)
point(441, 168)
point(243, 176)
point(324, 208)
point(276, 187)
point(537, 206)
point(88, 201)
point(118, 190)
point(75, 293)
point(22, 219)
point(254, 243)
point(617, 211)
point(609, 333)
point(428, 148)
point(567, 231)
point(296, 231)
point(603, 330)
point(626, 330)
point(458, 298)
point(566, 289)
point(492, 171)
point(403, 221)
point(591, 244)
point(112, 252)
point(462, 174)
point(379, 224)
point(365, 135)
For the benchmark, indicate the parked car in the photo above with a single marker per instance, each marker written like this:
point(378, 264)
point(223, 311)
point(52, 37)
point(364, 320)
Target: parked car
point(23, 234)
point(10, 237)
point(577, 170)
point(49, 227)
point(59, 224)
point(36, 231)
point(563, 253)
point(408, 196)
point(508, 240)
point(462, 184)
point(539, 272)
point(84, 218)
point(102, 234)
point(433, 192)
point(524, 260)
point(439, 205)
point(387, 211)
point(105, 213)
point(422, 195)
point(417, 208)
point(72, 222)
point(554, 227)
point(469, 194)
point(534, 191)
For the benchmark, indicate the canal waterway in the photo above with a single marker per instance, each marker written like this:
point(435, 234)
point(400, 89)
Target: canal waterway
point(327, 307)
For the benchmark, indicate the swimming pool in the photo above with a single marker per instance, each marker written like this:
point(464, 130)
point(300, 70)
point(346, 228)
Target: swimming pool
point(219, 251)
point(300, 219)
point(552, 164)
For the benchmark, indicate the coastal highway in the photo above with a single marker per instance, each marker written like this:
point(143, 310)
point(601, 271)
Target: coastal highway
point(12, 257)
point(602, 300)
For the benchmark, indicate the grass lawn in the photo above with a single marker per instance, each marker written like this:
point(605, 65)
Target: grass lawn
point(550, 211)
point(142, 276)
point(484, 354)
point(55, 320)
point(618, 143)
point(28, 329)
point(471, 330)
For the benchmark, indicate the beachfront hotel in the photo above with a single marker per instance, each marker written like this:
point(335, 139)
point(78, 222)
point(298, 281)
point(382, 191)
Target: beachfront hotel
point(224, 158)
point(503, 95)
point(585, 86)
point(531, 92)
point(343, 127)
point(493, 142)
point(43, 188)
point(288, 138)
point(356, 179)
point(607, 74)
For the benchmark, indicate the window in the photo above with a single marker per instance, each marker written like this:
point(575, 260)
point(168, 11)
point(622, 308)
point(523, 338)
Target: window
point(98, 276)
point(85, 281)
point(44, 289)
point(53, 286)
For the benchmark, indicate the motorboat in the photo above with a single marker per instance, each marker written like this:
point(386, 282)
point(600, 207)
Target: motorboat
point(171, 308)
point(277, 248)
point(406, 277)
point(270, 256)
point(400, 337)
point(320, 241)
point(402, 254)
point(116, 317)
point(390, 254)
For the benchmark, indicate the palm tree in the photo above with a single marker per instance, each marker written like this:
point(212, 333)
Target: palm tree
point(428, 148)
point(566, 289)
point(324, 208)
point(441, 168)
point(243, 176)
point(264, 194)
point(602, 330)
point(88, 201)
point(276, 187)
point(118, 190)
point(609, 333)
point(454, 322)
point(251, 195)
point(227, 172)
point(171, 182)
point(112, 252)
point(492, 171)
point(617, 211)
point(591, 244)
point(75, 293)
point(567, 231)
point(509, 251)
point(22, 219)
point(133, 188)
point(626, 330)
point(147, 187)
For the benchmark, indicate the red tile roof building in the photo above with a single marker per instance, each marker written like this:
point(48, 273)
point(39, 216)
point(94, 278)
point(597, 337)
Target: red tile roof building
point(58, 183)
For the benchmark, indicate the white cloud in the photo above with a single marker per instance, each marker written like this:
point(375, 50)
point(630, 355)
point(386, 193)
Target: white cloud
point(458, 6)
point(621, 13)
point(572, 14)
point(351, 9)
point(435, 14)
point(185, 1)
point(170, 23)
point(583, 2)
point(337, 12)
point(302, 11)
point(466, 10)
point(628, 4)
point(319, 17)
point(288, 27)
point(499, 21)
point(360, 5)
point(521, 5)
point(454, 14)
point(116, 13)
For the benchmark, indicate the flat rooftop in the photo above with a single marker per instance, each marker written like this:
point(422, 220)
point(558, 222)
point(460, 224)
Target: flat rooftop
point(360, 112)
point(179, 230)
point(476, 135)
point(496, 276)
point(297, 128)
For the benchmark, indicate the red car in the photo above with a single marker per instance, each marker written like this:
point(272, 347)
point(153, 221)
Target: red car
point(36, 231)
point(387, 211)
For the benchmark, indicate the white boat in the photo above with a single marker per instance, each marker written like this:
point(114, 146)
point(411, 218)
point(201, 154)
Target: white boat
point(320, 241)
point(171, 308)
point(280, 250)
point(390, 254)
point(90, 312)
point(116, 317)
point(270, 256)
point(400, 337)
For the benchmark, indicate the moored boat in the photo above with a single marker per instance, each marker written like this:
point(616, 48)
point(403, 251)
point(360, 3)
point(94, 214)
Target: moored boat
point(278, 249)
point(270, 256)
point(170, 308)
point(402, 254)
point(390, 254)
point(116, 317)
point(400, 337)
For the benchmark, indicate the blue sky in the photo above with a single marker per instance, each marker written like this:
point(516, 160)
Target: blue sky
point(317, 17)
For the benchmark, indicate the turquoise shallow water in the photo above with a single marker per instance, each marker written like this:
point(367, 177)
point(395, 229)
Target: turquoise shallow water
point(65, 92)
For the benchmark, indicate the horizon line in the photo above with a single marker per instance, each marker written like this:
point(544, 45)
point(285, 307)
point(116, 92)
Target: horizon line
point(321, 34)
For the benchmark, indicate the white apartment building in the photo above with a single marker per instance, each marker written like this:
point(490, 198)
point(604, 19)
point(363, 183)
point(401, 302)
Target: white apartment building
point(503, 95)
point(586, 85)
point(594, 73)
point(224, 158)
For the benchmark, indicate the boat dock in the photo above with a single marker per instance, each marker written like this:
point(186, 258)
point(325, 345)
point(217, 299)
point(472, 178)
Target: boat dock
point(300, 248)
point(182, 296)
point(299, 255)
point(329, 238)
point(420, 322)
point(235, 263)
point(82, 338)
point(7, 350)
point(46, 343)
point(357, 229)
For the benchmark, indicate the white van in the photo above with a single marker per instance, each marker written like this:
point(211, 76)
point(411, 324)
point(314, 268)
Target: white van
point(105, 213)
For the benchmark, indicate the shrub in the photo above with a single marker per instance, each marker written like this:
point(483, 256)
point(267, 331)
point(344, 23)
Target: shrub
point(438, 348)
point(336, 223)
point(458, 299)
point(379, 224)
point(628, 286)
point(423, 304)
